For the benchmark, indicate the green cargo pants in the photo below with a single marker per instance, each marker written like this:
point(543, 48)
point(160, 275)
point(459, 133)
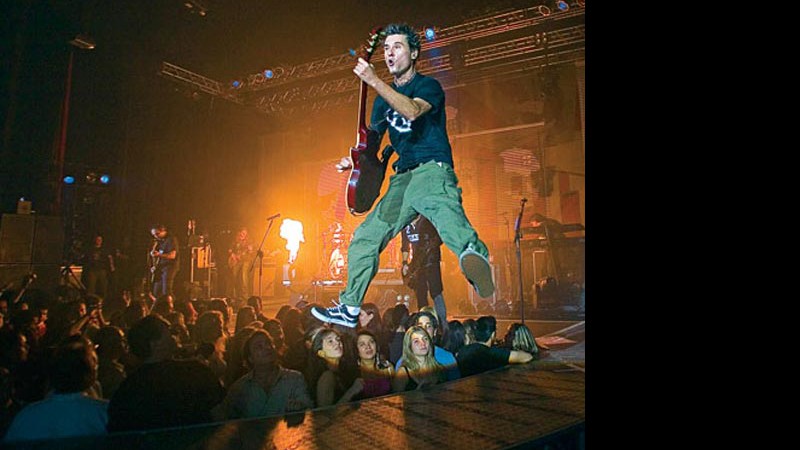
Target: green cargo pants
point(430, 189)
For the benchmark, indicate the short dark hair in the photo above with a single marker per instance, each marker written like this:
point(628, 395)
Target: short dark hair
point(255, 302)
point(411, 35)
point(246, 348)
point(484, 327)
point(145, 331)
point(73, 368)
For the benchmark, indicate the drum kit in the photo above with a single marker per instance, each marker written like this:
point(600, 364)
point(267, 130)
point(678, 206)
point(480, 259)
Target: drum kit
point(335, 242)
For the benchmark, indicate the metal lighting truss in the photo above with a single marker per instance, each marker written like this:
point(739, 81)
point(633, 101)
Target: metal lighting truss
point(522, 40)
point(471, 30)
point(199, 82)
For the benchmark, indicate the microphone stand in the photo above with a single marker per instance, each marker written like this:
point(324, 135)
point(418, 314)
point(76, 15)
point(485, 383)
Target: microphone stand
point(67, 273)
point(517, 237)
point(508, 274)
point(260, 255)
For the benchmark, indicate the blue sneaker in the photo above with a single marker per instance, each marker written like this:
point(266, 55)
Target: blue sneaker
point(339, 314)
point(478, 272)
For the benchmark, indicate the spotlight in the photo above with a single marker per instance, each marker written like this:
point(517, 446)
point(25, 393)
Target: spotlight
point(83, 41)
point(69, 179)
point(236, 84)
point(196, 7)
point(562, 5)
point(269, 74)
point(104, 179)
point(91, 178)
point(430, 34)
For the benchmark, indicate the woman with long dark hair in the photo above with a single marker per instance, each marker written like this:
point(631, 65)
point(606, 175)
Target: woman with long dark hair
point(376, 372)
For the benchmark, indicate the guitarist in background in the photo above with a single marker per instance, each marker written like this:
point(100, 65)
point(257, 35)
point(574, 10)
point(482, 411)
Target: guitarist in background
point(164, 261)
point(239, 256)
point(412, 109)
point(422, 259)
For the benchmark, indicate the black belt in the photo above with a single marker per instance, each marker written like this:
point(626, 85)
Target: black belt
point(408, 169)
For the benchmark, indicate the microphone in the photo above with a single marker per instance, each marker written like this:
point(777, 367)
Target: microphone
point(274, 216)
point(524, 200)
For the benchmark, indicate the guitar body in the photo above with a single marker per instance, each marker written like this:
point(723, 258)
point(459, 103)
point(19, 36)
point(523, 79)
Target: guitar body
point(368, 171)
point(410, 277)
point(154, 271)
point(233, 260)
point(155, 262)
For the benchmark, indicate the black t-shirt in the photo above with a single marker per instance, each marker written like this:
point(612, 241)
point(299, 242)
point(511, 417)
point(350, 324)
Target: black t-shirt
point(424, 238)
point(166, 245)
point(478, 358)
point(97, 259)
point(425, 139)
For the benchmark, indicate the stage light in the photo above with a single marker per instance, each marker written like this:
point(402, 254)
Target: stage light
point(430, 34)
point(196, 7)
point(562, 5)
point(352, 51)
point(91, 178)
point(268, 73)
point(105, 178)
point(236, 84)
point(83, 41)
point(69, 179)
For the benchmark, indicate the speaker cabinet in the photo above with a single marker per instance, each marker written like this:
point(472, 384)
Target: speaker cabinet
point(28, 238)
point(16, 238)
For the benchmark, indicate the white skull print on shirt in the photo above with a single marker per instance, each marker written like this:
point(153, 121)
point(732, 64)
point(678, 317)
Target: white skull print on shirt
point(397, 121)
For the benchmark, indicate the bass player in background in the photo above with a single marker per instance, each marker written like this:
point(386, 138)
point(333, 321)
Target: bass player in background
point(412, 110)
point(422, 265)
point(164, 260)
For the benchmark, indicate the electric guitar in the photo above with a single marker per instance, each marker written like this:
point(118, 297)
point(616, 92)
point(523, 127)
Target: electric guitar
point(155, 262)
point(410, 275)
point(238, 254)
point(368, 172)
point(233, 260)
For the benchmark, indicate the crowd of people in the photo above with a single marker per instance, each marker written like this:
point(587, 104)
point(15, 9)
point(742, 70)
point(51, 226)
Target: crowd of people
point(72, 365)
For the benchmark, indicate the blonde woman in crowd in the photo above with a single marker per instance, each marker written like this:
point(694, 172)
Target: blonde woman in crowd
point(418, 368)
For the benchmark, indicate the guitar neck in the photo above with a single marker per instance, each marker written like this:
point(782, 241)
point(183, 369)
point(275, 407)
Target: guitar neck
point(361, 133)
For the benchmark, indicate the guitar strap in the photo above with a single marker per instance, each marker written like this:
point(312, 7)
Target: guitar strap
point(387, 153)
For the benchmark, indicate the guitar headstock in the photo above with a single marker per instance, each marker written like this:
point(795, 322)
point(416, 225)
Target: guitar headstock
point(372, 43)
